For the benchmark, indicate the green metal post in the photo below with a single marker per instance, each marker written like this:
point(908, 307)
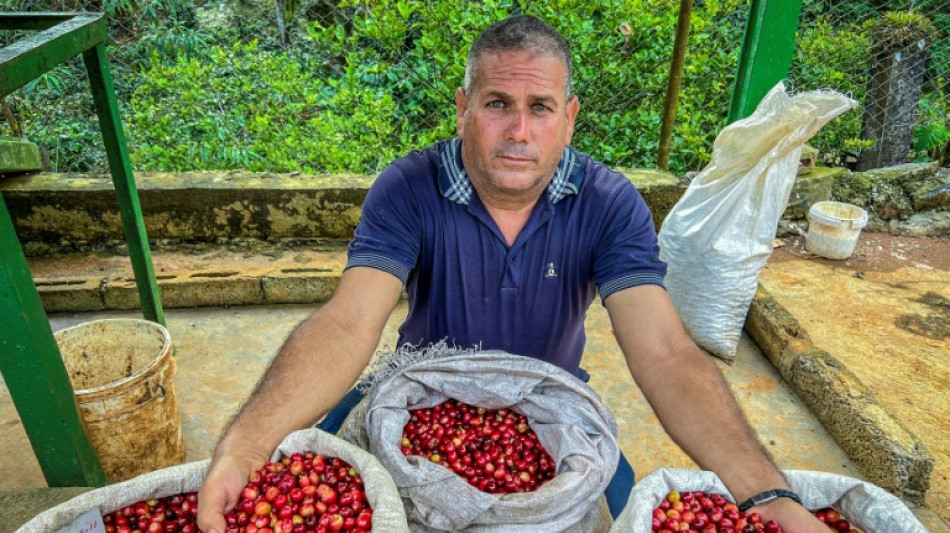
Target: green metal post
point(34, 372)
point(103, 93)
point(766, 53)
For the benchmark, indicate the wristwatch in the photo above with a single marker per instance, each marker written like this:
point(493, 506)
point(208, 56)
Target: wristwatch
point(767, 496)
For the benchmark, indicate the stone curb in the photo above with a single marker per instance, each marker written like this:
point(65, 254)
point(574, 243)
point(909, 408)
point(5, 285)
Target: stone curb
point(886, 452)
point(69, 211)
point(202, 288)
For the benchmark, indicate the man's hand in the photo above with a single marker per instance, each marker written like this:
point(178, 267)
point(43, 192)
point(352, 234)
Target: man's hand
point(792, 517)
point(314, 368)
point(227, 476)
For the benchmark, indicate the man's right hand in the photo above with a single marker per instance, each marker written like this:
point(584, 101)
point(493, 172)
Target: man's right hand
point(221, 490)
point(312, 371)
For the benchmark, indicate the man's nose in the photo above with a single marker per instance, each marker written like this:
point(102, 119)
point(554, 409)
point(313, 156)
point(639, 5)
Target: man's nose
point(518, 129)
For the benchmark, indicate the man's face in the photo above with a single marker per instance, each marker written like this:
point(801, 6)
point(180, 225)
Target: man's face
point(516, 124)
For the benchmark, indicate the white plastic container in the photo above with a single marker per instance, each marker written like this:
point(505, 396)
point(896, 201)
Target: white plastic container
point(833, 229)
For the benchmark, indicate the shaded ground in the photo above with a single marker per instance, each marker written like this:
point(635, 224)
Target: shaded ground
point(885, 313)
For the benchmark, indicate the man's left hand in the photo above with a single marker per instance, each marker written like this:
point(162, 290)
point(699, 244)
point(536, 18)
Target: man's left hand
point(791, 516)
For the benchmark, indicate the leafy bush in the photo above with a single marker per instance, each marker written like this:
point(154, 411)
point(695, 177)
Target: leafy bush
point(837, 58)
point(241, 107)
point(209, 85)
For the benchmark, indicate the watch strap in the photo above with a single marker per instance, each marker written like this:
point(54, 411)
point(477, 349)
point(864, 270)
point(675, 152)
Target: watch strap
point(767, 496)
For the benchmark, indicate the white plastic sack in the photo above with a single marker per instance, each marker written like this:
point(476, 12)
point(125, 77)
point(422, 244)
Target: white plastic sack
point(388, 512)
point(571, 422)
point(866, 506)
point(719, 235)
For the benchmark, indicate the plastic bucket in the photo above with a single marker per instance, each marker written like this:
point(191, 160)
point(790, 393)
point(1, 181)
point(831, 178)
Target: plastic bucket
point(833, 229)
point(121, 371)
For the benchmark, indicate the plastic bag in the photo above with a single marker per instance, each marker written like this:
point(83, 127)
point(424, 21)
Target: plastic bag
point(866, 506)
point(388, 512)
point(719, 235)
point(571, 422)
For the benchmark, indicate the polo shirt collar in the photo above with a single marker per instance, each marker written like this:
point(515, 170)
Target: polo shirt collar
point(455, 185)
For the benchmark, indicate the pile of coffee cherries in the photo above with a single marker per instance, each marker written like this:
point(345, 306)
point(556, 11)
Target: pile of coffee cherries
point(834, 520)
point(493, 449)
point(302, 493)
point(702, 512)
point(171, 514)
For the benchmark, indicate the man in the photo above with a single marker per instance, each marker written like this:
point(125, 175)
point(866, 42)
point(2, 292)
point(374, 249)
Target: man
point(502, 238)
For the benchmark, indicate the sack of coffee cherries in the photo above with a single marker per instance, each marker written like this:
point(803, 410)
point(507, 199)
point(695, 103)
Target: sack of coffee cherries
point(486, 441)
point(844, 503)
point(165, 501)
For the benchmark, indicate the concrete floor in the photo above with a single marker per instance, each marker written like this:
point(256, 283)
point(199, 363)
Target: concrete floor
point(222, 352)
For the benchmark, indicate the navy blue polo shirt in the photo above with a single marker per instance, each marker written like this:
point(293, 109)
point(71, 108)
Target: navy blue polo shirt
point(423, 223)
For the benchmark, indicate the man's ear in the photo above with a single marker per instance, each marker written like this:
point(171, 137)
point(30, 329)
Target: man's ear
point(461, 106)
point(572, 108)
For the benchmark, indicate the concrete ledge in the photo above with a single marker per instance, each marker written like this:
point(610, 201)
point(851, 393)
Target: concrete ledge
point(19, 155)
point(208, 288)
point(19, 506)
point(70, 294)
point(299, 285)
point(888, 454)
point(204, 206)
point(78, 211)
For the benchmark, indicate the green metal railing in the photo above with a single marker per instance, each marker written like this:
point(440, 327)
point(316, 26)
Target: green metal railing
point(30, 361)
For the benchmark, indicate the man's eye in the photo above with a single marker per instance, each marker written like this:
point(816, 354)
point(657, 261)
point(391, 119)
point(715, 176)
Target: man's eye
point(539, 107)
point(496, 104)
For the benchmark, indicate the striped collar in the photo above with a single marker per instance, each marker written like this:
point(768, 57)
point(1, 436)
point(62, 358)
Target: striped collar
point(455, 185)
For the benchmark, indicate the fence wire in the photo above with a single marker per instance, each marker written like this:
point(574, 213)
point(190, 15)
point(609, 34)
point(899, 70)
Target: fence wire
point(894, 59)
point(346, 86)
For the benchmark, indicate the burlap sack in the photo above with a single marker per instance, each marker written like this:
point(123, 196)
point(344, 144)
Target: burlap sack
point(388, 513)
point(866, 506)
point(567, 415)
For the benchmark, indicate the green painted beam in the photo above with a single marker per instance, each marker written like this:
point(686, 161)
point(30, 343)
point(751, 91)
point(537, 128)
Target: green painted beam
point(30, 361)
point(34, 20)
point(103, 94)
point(34, 372)
point(766, 55)
point(33, 56)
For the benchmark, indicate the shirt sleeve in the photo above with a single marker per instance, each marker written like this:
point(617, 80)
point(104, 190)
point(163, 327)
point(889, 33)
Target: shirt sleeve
point(387, 237)
point(627, 253)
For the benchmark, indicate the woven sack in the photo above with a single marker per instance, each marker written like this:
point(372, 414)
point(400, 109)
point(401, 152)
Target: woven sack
point(388, 513)
point(866, 506)
point(571, 422)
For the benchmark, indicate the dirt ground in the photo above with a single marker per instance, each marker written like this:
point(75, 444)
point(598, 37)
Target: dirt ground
point(885, 313)
point(876, 252)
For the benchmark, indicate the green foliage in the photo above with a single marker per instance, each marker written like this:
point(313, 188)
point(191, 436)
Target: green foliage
point(932, 137)
point(208, 85)
point(837, 58)
point(244, 108)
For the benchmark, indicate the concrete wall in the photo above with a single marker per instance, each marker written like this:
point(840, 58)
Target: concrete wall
point(67, 212)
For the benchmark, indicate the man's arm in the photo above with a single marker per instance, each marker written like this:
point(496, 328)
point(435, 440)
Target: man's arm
point(673, 371)
point(313, 370)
